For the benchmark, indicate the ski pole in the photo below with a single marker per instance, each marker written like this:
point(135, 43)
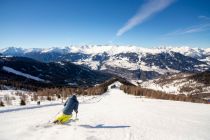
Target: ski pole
point(54, 116)
point(76, 117)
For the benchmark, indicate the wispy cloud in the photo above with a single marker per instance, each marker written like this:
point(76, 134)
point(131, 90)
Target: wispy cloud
point(146, 11)
point(193, 29)
point(204, 17)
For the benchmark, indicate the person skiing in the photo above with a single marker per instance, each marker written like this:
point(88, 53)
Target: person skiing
point(70, 105)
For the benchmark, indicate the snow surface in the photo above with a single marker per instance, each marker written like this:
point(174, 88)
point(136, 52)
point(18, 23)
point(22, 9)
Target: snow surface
point(14, 100)
point(11, 70)
point(113, 115)
point(175, 86)
point(14, 97)
point(169, 88)
point(93, 64)
point(122, 63)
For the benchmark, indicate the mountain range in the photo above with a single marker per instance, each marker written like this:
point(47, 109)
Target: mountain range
point(130, 62)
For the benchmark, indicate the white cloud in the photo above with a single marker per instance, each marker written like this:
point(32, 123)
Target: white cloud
point(198, 28)
point(192, 29)
point(146, 11)
point(204, 17)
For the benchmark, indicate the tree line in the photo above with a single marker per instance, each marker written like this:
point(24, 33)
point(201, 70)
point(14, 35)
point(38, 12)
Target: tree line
point(149, 93)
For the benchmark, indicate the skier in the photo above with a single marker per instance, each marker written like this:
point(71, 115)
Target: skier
point(70, 105)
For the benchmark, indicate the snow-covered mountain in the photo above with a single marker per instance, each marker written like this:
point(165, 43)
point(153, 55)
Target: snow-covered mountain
point(131, 62)
point(197, 85)
point(110, 49)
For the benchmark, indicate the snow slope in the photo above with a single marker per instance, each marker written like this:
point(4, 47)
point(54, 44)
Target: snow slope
point(177, 84)
point(114, 115)
point(11, 70)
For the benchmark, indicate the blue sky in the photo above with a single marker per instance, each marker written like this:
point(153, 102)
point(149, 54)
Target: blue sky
point(146, 23)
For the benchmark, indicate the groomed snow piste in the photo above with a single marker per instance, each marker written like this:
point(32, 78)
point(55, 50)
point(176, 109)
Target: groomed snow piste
point(112, 116)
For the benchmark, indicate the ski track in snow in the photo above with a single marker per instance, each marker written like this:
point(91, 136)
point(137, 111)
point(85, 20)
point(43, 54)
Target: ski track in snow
point(27, 107)
point(114, 115)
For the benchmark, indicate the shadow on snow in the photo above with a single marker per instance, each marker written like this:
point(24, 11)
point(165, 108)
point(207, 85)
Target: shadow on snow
point(104, 126)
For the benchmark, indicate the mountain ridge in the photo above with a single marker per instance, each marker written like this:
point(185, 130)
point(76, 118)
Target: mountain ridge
point(27, 70)
point(127, 61)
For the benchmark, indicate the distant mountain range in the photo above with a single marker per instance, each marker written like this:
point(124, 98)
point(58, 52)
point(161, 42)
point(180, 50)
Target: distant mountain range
point(129, 62)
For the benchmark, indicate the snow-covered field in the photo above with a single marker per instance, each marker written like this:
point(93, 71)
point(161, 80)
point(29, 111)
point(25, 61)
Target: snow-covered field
point(12, 100)
point(112, 116)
